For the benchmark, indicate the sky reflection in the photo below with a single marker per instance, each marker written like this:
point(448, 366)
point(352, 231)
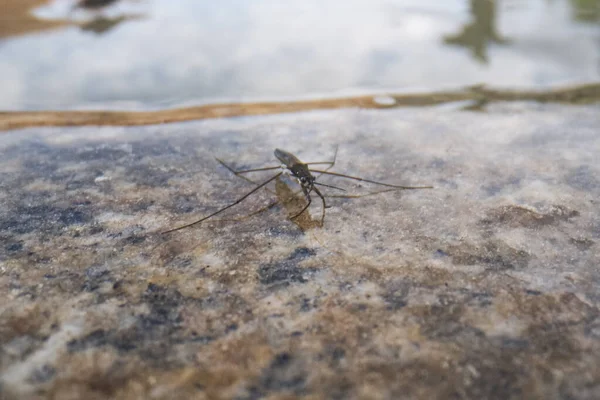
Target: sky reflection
point(162, 53)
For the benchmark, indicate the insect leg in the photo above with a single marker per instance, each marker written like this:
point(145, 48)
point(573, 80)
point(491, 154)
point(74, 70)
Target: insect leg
point(236, 173)
point(269, 206)
point(330, 163)
point(252, 214)
point(309, 200)
point(238, 201)
point(357, 196)
point(243, 171)
point(356, 178)
point(329, 186)
point(324, 204)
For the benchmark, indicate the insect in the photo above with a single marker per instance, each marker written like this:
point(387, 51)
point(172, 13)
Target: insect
point(300, 171)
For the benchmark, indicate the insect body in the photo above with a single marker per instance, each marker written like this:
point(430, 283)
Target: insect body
point(303, 174)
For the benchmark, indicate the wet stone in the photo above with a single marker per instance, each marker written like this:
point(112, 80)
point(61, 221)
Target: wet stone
point(486, 286)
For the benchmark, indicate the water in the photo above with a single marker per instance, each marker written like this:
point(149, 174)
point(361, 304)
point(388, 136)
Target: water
point(149, 54)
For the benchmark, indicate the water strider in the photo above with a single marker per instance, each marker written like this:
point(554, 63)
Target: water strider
point(299, 170)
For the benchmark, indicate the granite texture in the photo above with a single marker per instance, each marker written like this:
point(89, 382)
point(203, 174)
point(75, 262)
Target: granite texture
point(486, 287)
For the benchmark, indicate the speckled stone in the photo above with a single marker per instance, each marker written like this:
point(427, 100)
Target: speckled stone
point(486, 287)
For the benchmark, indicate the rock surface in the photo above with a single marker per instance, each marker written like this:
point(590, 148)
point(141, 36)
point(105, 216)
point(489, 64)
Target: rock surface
point(486, 286)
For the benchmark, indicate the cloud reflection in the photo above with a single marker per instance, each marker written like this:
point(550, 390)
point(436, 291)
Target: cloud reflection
point(192, 51)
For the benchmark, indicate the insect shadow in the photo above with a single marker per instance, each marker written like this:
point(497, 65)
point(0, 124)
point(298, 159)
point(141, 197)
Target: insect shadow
point(290, 164)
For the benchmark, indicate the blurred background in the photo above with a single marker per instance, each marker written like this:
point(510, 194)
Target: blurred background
point(153, 54)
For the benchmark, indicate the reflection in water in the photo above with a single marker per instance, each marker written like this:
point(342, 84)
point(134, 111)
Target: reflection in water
point(94, 4)
point(477, 34)
point(586, 10)
point(190, 52)
point(17, 19)
point(294, 202)
point(100, 25)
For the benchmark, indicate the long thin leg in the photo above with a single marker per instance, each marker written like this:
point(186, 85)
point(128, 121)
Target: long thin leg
point(307, 194)
point(356, 178)
point(243, 171)
point(238, 201)
point(253, 213)
point(250, 181)
point(309, 200)
point(329, 186)
point(330, 163)
point(272, 204)
point(240, 176)
point(358, 196)
point(269, 206)
point(324, 204)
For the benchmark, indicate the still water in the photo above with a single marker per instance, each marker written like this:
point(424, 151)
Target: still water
point(151, 54)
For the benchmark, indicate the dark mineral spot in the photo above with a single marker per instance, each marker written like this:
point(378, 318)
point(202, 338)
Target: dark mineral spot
point(301, 253)
point(146, 175)
point(133, 240)
point(532, 292)
point(42, 374)
point(440, 253)
point(495, 188)
point(14, 247)
point(516, 216)
point(284, 373)
point(141, 205)
point(184, 204)
point(101, 153)
point(479, 299)
point(583, 178)
point(95, 229)
point(77, 184)
point(494, 255)
point(307, 304)
point(35, 148)
point(44, 217)
point(395, 295)
point(159, 148)
point(285, 230)
point(72, 216)
point(582, 243)
point(197, 339)
point(161, 323)
point(39, 167)
point(437, 163)
point(153, 334)
point(164, 304)
point(96, 276)
point(183, 261)
point(287, 270)
point(513, 343)
point(500, 376)
point(443, 323)
point(592, 329)
point(336, 354)
point(97, 338)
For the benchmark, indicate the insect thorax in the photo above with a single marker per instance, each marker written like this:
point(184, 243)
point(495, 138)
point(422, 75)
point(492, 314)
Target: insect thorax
point(302, 173)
